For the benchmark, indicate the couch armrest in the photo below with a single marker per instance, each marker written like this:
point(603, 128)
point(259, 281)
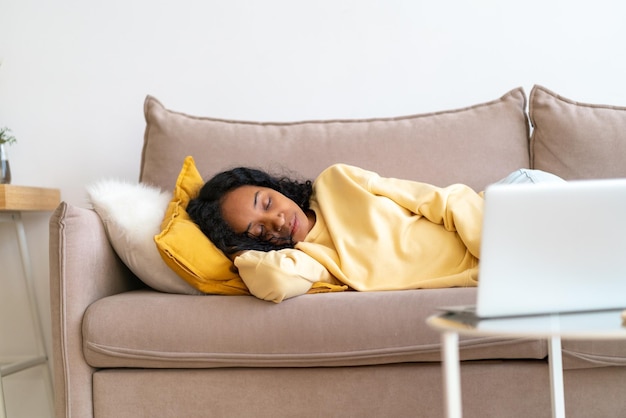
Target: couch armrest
point(83, 268)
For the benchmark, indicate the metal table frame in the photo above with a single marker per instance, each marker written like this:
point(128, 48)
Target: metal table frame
point(41, 356)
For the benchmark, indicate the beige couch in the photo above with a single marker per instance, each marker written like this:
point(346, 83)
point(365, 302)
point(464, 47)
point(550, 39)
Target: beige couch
point(121, 349)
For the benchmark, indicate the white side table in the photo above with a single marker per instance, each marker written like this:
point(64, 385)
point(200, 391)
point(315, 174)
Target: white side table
point(13, 201)
point(600, 325)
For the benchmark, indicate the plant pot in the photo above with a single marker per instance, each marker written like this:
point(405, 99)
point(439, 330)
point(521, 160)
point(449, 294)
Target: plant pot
point(5, 168)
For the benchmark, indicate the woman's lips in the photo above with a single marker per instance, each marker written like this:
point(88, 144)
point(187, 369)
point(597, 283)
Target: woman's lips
point(294, 228)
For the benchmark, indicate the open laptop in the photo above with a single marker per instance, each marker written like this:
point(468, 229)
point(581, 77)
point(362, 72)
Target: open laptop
point(552, 247)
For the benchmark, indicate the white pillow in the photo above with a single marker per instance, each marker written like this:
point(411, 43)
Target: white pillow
point(132, 216)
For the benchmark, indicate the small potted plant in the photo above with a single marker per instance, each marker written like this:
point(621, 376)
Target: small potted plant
point(5, 169)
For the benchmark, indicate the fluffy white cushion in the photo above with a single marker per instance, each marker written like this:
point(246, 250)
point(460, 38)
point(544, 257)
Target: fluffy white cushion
point(132, 215)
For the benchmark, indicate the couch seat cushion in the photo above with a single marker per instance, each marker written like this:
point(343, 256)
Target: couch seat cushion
point(145, 328)
point(598, 353)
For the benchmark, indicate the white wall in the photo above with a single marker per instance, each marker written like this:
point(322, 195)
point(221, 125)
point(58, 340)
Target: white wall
point(75, 74)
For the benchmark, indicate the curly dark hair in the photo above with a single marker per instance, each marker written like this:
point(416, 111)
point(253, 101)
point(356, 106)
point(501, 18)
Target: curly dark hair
point(205, 210)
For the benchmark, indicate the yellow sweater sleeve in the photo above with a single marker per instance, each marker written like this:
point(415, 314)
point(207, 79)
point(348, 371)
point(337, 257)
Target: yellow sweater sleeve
point(278, 275)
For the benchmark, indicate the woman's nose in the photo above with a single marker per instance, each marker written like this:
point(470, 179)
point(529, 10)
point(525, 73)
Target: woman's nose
point(279, 222)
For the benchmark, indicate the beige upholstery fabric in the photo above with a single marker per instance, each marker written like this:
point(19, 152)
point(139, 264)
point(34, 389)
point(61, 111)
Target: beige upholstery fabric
point(577, 140)
point(440, 148)
point(316, 330)
point(584, 354)
point(83, 269)
point(385, 391)
point(490, 390)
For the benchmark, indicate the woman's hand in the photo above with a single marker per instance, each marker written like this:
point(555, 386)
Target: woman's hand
point(235, 255)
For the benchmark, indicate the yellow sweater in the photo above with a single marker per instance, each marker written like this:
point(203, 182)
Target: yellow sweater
point(375, 233)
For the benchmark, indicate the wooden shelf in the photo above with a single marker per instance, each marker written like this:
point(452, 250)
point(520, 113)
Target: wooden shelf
point(25, 198)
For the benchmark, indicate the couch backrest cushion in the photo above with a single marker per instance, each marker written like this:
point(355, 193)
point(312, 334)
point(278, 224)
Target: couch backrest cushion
point(474, 145)
point(576, 140)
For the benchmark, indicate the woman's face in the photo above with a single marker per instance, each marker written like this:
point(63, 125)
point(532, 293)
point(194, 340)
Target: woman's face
point(265, 213)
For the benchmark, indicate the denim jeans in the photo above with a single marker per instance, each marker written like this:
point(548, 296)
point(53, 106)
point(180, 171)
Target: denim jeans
point(526, 175)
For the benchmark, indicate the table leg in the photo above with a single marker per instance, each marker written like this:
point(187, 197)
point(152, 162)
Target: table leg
point(33, 302)
point(556, 377)
point(3, 410)
point(452, 374)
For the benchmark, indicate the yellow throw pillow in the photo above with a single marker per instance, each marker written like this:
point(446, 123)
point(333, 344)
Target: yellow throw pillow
point(186, 250)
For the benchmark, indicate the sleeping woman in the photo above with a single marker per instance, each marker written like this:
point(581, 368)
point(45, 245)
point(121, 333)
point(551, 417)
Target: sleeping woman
point(350, 227)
